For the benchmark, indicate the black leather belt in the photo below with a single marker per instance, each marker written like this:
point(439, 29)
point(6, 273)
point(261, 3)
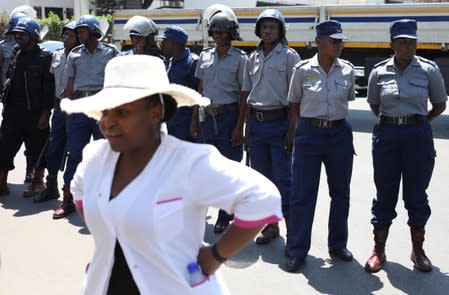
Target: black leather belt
point(269, 115)
point(218, 109)
point(401, 120)
point(324, 123)
point(84, 93)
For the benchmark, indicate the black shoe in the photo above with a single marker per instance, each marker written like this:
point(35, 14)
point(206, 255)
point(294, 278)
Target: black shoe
point(294, 263)
point(220, 226)
point(46, 195)
point(343, 254)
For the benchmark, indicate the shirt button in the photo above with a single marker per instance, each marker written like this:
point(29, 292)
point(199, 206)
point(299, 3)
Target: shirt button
point(99, 195)
point(135, 266)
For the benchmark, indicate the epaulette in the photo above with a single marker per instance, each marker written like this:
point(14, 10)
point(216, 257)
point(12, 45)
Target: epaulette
point(427, 61)
point(347, 62)
point(381, 63)
point(112, 46)
point(242, 52)
point(208, 48)
point(45, 52)
point(79, 47)
point(301, 63)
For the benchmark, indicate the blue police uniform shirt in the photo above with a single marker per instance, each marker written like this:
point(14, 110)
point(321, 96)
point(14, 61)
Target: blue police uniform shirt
point(222, 76)
point(405, 94)
point(182, 70)
point(88, 68)
point(58, 70)
point(322, 95)
point(267, 78)
point(6, 49)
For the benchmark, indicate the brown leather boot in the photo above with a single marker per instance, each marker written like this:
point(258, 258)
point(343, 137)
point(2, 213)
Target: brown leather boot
point(37, 186)
point(268, 234)
point(67, 206)
point(419, 258)
point(4, 190)
point(29, 172)
point(377, 258)
point(51, 192)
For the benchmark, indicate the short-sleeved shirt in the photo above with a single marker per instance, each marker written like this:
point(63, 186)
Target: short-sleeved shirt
point(6, 49)
point(88, 68)
point(405, 94)
point(182, 70)
point(267, 77)
point(160, 224)
point(222, 76)
point(322, 95)
point(58, 70)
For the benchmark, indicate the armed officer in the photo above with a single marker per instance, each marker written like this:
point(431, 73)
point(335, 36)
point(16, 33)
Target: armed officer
point(27, 104)
point(267, 77)
point(319, 93)
point(142, 32)
point(85, 71)
point(398, 92)
point(180, 70)
point(220, 70)
point(56, 149)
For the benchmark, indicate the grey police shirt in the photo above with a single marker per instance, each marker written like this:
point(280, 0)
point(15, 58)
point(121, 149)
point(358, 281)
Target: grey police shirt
point(322, 95)
point(267, 78)
point(222, 76)
point(88, 68)
point(58, 70)
point(405, 94)
point(6, 47)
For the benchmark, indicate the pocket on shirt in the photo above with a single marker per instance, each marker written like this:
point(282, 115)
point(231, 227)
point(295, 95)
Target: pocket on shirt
point(420, 90)
point(311, 90)
point(278, 74)
point(208, 71)
point(168, 217)
point(343, 87)
point(229, 74)
point(389, 91)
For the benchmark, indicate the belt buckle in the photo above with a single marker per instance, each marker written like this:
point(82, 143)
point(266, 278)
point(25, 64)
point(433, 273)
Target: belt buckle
point(259, 116)
point(212, 112)
point(325, 123)
point(402, 121)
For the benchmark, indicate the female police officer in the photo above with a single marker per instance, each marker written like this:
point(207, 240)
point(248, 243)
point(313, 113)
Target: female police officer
point(398, 90)
point(319, 93)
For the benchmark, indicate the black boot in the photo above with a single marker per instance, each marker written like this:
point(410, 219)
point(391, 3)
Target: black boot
point(51, 192)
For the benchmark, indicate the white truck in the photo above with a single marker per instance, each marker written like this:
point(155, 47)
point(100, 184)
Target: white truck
point(367, 26)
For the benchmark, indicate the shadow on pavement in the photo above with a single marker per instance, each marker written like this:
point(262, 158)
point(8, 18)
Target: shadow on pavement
point(364, 120)
point(24, 206)
point(414, 282)
point(337, 277)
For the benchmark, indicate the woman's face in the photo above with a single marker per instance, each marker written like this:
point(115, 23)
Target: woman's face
point(133, 126)
point(329, 46)
point(404, 48)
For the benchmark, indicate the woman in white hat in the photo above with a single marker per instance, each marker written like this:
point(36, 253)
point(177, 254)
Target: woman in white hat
point(144, 194)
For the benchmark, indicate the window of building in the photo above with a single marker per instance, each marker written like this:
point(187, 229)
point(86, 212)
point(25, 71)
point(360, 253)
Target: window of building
point(55, 10)
point(38, 11)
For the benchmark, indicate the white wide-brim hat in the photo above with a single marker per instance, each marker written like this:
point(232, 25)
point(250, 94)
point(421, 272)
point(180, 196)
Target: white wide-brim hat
point(132, 77)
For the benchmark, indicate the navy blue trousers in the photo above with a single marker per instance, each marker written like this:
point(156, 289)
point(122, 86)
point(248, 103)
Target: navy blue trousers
point(313, 147)
point(405, 152)
point(217, 131)
point(179, 125)
point(268, 155)
point(80, 128)
point(58, 140)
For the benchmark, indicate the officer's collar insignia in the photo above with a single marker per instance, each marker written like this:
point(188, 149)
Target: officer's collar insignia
point(311, 77)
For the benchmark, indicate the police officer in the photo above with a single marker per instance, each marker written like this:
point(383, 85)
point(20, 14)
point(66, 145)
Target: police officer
point(85, 71)
point(266, 79)
point(398, 91)
point(27, 104)
point(56, 147)
point(180, 70)
point(319, 93)
point(6, 53)
point(220, 70)
point(142, 32)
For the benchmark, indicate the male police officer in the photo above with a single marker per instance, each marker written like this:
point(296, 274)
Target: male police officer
point(56, 147)
point(85, 72)
point(142, 32)
point(180, 70)
point(220, 70)
point(27, 104)
point(267, 77)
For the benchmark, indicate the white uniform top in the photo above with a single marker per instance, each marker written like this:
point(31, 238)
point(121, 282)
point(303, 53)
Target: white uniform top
point(159, 218)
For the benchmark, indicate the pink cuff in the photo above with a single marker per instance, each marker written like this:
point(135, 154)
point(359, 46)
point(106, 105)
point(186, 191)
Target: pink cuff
point(79, 204)
point(255, 223)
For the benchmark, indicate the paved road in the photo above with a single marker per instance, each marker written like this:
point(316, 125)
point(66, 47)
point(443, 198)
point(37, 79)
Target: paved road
point(42, 256)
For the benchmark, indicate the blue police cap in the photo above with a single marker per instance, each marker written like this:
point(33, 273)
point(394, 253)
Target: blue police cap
point(403, 28)
point(331, 28)
point(175, 33)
